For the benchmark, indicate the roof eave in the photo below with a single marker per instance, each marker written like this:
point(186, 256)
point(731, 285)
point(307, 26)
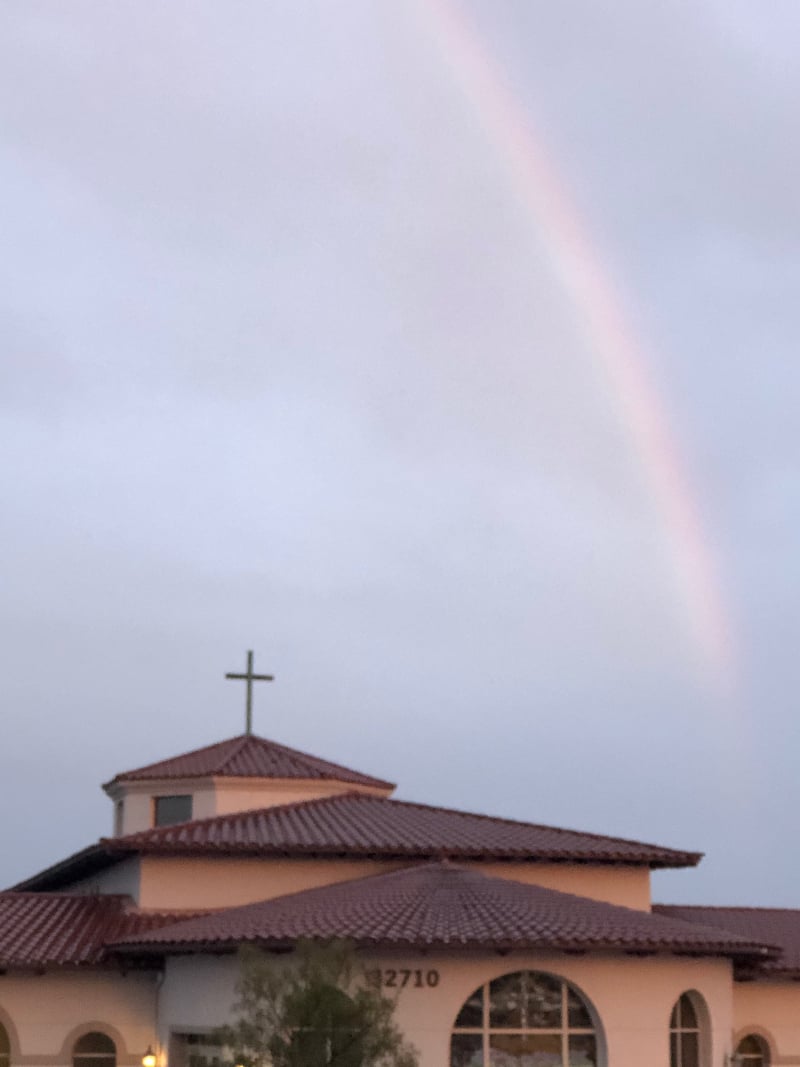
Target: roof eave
point(80, 864)
point(751, 956)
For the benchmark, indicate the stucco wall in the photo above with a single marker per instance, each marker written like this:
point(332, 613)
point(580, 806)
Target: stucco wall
point(632, 999)
point(122, 878)
point(245, 794)
point(772, 1010)
point(221, 795)
point(627, 886)
point(196, 882)
point(200, 882)
point(45, 1014)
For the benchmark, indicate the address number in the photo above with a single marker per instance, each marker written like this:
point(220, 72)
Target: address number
point(399, 979)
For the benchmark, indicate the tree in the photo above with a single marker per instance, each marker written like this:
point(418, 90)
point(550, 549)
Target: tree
point(313, 1009)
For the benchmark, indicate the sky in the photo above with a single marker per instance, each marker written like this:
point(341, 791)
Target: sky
point(441, 352)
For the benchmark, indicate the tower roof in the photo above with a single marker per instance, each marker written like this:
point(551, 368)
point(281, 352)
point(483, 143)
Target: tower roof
point(248, 756)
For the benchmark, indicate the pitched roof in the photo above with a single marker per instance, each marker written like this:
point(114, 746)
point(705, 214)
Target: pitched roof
point(248, 756)
point(775, 926)
point(357, 824)
point(59, 929)
point(442, 905)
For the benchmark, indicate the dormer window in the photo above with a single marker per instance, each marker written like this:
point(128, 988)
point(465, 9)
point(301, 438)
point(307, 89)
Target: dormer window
point(169, 810)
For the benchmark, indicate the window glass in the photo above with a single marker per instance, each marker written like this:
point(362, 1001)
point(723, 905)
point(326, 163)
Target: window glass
point(466, 1050)
point(582, 1050)
point(520, 1050)
point(169, 810)
point(684, 1037)
point(688, 1015)
point(525, 1000)
point(94, 1050)
point(194, 1050)
point(471, 1015)
point(534, 1020)
point(578, 1012)
point(752, 1051)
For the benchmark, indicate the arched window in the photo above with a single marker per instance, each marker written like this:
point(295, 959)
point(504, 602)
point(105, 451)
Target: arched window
point(684, 1034)
point(752, 1051)
point(5, 1047)
point(522, 1018)
point(94, 1050)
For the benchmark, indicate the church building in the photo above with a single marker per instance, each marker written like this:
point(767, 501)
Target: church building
point(505, 943)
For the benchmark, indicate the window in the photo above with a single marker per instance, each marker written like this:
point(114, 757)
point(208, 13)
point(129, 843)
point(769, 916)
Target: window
point(684, 1034)
point(94, 1050)
point(118, 819)
point(169, 810)
point(752, 1051)
point(521, 1019)
point(194, 1050)
point(5, 1047)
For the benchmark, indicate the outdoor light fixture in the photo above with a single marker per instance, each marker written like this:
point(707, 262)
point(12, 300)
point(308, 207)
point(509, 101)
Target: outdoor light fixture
point(149, 1058)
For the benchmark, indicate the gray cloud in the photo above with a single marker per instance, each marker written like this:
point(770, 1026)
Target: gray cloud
point(286, 365)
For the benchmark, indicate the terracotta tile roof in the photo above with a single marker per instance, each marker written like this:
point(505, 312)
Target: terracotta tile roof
point(359, 824)
point(58, 929)
point(248, 756)
point(442, 905)
point(774, 926)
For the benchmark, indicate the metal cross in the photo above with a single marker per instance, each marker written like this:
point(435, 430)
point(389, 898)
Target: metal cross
point(249, 677)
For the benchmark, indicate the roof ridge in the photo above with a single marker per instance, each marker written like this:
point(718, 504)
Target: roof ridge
point(318, 760)
point(169, 759)
point(219, 758)
point(234, 751)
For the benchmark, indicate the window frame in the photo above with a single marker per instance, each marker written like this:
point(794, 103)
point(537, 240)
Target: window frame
point(564, 1032)
point(762, 1058)
point(5, 1045)
point(157, 800)
point(700, 1030)
point(92, 1058)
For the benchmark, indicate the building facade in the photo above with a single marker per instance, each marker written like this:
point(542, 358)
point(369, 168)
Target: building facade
point(506, 944)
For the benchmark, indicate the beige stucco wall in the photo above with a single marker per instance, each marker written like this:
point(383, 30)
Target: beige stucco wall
point(214, 882)
point(632, 999)
point(627, 886)
point(45, 1014)
point(221, 796)
point(771, 1009)
point(197, 882)
point(246, 794)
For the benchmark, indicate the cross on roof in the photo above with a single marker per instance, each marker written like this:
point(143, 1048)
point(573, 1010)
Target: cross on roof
point(249, 677)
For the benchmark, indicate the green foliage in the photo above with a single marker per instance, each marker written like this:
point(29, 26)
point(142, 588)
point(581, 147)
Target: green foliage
point(312, 1009)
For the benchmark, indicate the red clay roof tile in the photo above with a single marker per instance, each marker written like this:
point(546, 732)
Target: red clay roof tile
point(442, 905)
point(359, 824)
point(248, 756)
point(58, 929)
point(774, 926)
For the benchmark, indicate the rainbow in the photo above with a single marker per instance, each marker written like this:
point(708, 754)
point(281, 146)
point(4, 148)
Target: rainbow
point(600, 315)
